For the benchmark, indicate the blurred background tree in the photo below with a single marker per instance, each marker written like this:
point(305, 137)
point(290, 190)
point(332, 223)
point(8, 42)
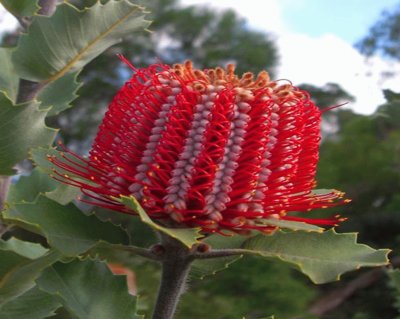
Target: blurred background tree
point(207, 37)
point(359, 155)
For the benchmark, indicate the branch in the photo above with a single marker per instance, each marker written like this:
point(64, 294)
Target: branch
point(219, 253)
point(337, 297)
point(146, 253)
point(47, 7)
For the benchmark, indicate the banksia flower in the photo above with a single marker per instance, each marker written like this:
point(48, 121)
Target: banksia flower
point(205, 148)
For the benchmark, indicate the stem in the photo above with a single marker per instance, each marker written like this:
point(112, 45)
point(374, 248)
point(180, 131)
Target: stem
point(47, 7)
point(4, 186)
point(27, 90)
point(146, 253)
point(219, 253)
point(175, 269)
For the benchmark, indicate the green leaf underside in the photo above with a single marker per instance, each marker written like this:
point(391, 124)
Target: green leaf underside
point(33, 304)
point(22, 127)
point(23, 248)
point(51, 95)
point(20, 8)
point(21, 273)
point(65, 227)
point(8, 78)
point(188, 236)
point(68, 40)
point(323, 257)
point(89, 290)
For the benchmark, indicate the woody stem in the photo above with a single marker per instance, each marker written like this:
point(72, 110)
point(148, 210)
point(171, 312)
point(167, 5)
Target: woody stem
point(176, 262)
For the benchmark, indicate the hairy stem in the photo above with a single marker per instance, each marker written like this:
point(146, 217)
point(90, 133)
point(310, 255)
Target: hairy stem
point(176, 264)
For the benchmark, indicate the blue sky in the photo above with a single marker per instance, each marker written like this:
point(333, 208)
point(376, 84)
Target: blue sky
point(349, 19)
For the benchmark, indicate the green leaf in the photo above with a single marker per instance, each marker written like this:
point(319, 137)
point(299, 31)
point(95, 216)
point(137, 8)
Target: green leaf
point(28, 188)
point(8, 79)
point(23, 248)
point(59, 94)
point(65, 227)
point(140, 234)
point(293, 225)
point(89, 290)
point(68, 40)
point(18, 271)
point(20, 8)
point(63, 194)
point(188, 236)
point(323, 257)
point(207, 267)
point(21, 128)
point(33, 304)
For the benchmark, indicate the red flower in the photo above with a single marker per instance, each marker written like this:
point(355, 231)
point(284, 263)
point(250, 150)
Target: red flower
point(206, 148)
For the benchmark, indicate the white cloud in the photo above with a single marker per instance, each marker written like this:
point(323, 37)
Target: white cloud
point(7, 21)
point(316, 60)
point(266, 17)
point(330, 59)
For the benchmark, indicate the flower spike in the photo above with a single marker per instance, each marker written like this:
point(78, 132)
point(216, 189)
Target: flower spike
point(205, 148)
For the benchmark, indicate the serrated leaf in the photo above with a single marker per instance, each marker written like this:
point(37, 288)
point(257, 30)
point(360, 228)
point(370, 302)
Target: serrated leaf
point(20, 8)
point(188, 236)
point(33, 304)
point(22, 127)
point(59, 94)
point(68, 40)
point(140, 234)
point(89, 290)
point(202, 268)
point(23, 248)
point(323, 257)
point(28, 188)
point(66, 228)
point(63, 194)
point(18, 272)
point(207, 267)
point(9, 81)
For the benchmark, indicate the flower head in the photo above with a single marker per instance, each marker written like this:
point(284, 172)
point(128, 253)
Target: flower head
point(206, 148)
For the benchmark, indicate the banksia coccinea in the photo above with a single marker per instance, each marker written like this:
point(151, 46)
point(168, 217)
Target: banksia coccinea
point(206, 148)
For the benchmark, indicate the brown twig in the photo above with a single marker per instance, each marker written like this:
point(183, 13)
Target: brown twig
point(335, 298)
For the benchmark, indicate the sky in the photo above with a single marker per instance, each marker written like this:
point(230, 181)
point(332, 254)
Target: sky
point(315, 41)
